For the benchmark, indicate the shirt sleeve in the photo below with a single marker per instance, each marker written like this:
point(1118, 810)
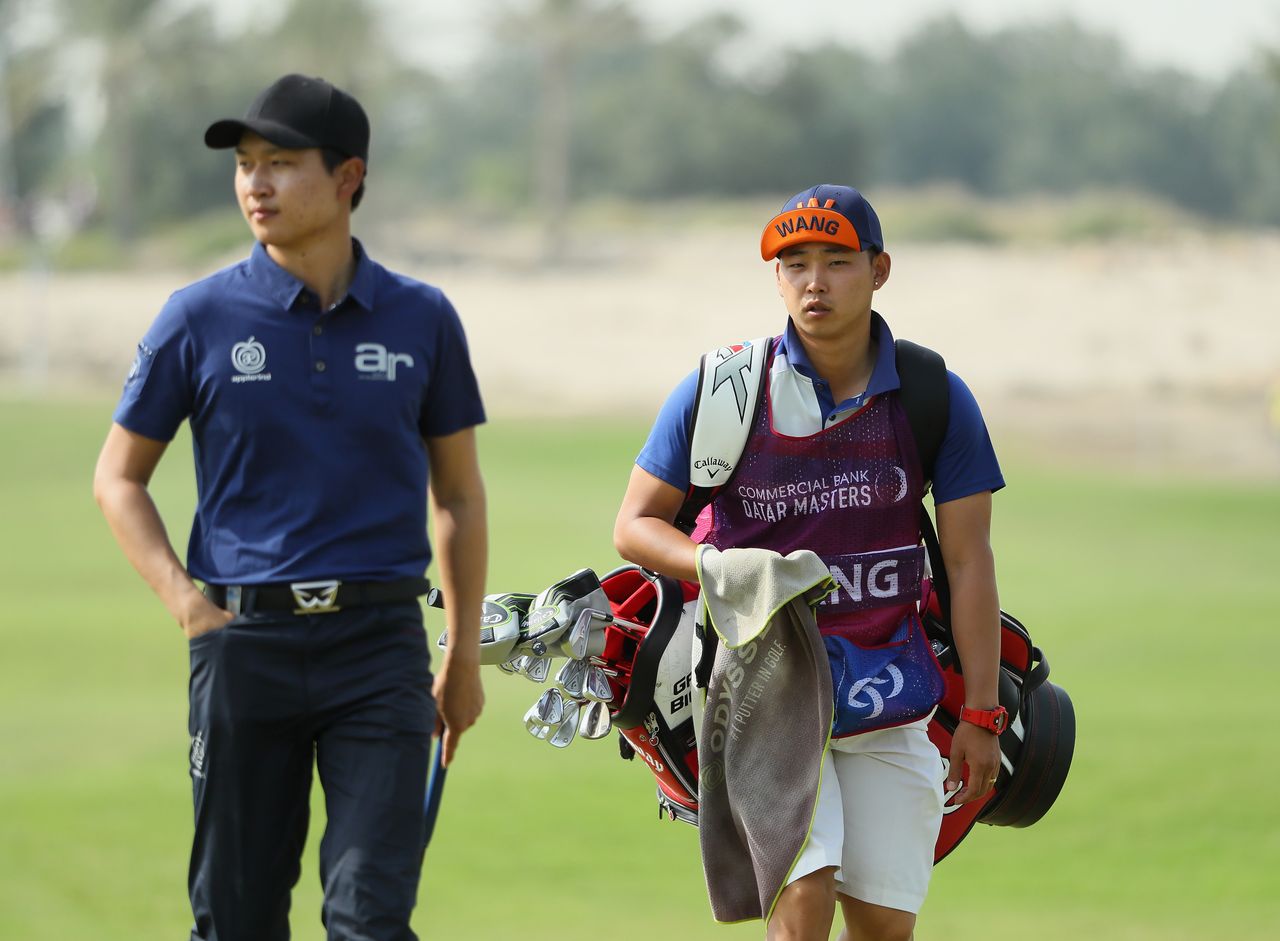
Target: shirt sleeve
point(966, 461)
point(157, 394)
point(452, 402)
point(666, 454)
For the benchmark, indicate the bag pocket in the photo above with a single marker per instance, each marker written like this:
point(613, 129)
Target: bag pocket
point(878, 687)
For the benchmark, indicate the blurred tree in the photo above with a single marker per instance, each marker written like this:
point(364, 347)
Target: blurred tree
point(158, 71)
point(1082, 117)
point(946, 97)
point(33, 122)
point(343, 41)
point(825, 121)
point(577, 99)
point(559, 32)
point(1242, 128)
point(350, 43)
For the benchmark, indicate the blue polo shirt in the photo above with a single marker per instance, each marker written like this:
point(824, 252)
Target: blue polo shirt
point(307, 424)
point(803, 405)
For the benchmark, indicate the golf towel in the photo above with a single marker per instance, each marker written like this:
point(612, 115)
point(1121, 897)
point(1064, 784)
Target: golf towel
point(766, 724)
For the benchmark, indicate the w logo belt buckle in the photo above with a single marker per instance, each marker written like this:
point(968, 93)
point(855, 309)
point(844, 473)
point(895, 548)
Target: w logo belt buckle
point(315, 597)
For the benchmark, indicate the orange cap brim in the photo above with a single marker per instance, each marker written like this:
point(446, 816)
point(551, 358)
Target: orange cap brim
point(807, 225)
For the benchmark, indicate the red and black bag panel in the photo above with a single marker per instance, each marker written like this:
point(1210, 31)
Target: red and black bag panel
point(648, 651)
point(1036, 748)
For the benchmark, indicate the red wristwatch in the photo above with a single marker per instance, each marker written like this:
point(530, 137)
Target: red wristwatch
point(993, 720)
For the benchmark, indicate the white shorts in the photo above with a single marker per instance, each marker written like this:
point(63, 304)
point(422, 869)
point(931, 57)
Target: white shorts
point(878, 813)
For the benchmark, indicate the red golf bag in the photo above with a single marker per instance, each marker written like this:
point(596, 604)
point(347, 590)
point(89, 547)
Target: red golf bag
point(649, 655)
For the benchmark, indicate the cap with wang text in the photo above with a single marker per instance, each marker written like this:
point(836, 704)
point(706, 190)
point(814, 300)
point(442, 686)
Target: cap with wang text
point(839, 215)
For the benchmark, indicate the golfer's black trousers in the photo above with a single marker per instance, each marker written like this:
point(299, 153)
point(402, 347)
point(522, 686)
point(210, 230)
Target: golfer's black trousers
point(273, 695)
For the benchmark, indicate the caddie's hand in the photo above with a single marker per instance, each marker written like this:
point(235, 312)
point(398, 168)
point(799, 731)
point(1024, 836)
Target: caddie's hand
point(459, 701)
point(979, 749)
point(199, 615)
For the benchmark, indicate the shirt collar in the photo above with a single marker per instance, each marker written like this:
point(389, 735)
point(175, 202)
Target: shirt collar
point(884, 374)
point(284, 288)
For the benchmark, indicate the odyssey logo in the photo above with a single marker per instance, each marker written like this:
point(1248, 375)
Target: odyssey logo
point(375, 361)
point(249, 357)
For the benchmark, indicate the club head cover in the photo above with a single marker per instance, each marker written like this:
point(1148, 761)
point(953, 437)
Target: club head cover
point(557, 608)
point(502, 624)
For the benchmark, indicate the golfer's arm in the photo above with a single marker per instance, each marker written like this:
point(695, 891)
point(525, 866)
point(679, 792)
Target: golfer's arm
point(461, 538)
point(644, 532)
point(120, 481)
point(964, 531)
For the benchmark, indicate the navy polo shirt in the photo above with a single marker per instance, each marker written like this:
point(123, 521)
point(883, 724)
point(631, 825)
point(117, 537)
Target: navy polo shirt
point(307, 424)
point(803, 405)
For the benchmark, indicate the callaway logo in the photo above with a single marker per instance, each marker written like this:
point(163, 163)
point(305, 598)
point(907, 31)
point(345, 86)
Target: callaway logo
point(707, 463)
point(733, 363)
point(249, 357)
point(375, 361)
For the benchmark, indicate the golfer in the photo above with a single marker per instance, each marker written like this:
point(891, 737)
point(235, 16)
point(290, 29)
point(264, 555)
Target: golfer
point(832, 412)
point(329, 401)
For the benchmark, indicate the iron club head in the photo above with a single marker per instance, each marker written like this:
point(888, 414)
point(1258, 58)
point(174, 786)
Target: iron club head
point(572, 676)
point(593, 721)
point(597, 685)
point(568, 728)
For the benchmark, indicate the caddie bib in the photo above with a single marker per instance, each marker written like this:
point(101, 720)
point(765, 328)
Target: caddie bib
point(851, 493)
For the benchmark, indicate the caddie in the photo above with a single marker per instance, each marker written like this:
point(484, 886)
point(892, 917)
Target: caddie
point(830, 466)
point(330, 401)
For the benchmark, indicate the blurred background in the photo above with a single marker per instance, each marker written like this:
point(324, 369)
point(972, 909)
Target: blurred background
point(1082, 200)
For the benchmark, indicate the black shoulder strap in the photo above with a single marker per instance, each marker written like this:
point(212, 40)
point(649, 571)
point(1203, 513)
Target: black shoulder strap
point(926, 398)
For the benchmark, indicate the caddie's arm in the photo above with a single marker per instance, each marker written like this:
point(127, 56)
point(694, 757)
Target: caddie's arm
point(644, 532)
point(461, 541)
point(120, 481)
point(964, 532)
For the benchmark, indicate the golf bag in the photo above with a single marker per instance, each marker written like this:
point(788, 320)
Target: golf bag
point(650, 651)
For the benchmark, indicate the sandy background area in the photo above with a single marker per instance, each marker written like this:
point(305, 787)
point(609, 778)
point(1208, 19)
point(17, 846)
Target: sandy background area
point(1148, 356)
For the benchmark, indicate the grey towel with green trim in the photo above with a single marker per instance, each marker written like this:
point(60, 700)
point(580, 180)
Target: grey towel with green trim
point(766, 724)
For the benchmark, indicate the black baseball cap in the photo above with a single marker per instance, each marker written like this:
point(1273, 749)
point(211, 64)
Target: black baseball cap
point(298, 112)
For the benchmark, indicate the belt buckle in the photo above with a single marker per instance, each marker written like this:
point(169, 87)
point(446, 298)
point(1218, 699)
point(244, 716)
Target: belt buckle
point(315, 597)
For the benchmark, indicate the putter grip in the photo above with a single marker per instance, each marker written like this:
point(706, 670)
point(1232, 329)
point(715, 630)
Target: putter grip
point(435, 598)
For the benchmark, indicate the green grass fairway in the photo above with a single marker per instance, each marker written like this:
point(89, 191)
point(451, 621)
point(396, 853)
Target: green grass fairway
point(1155, 599)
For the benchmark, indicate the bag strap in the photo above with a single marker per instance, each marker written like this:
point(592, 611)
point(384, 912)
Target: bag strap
point(925, 395)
